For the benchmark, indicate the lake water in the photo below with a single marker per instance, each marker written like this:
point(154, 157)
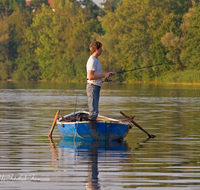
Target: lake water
point(30, 160)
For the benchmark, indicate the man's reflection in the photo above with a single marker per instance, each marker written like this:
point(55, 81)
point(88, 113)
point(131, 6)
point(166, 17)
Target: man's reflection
point(92, 180)
point(89, 152)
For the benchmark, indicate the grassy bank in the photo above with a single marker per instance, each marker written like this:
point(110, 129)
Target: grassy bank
point(189, 77)
point(182, 77)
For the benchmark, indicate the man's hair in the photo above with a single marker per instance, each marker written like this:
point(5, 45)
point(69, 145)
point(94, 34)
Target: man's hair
point(95, 45)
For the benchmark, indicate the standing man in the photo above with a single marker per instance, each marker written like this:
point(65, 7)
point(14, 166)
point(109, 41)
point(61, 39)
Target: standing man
point(94, 79)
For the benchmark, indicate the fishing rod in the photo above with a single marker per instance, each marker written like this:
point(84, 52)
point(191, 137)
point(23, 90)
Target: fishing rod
point(124, 71)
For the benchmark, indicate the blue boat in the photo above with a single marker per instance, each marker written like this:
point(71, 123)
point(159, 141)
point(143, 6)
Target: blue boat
point(77, 126)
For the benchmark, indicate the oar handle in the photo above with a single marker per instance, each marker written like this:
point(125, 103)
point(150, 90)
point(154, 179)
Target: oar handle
point(53, 124)
point(150, 136)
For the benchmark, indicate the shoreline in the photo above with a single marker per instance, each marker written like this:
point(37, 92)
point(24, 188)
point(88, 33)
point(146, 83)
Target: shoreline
point(125, 82)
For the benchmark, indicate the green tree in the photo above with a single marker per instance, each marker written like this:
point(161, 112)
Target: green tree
point(110, 5)
point(190, 55)
point(8, 6)
point(164, 48)
point(174, 46)
point(42, 35)
point(53, 44)
point(37, 4)
point(61, 40)
point(136, 28)
point(90, 8)
point(25, 66)
point(8, 51)
point(5, 64)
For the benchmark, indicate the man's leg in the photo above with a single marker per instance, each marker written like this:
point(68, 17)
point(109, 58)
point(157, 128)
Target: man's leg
point(93, 93)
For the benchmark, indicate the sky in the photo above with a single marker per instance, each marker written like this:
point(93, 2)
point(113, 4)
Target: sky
point(98, 2)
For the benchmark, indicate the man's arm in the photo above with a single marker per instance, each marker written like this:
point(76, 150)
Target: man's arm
point(92, 76)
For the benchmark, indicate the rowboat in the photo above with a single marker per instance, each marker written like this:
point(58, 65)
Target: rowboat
point(76, 125)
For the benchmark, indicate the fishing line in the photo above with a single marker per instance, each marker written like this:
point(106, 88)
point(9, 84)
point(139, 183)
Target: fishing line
point(75, 105)
point(120, 72)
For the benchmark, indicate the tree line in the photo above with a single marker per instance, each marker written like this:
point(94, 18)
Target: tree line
point(44, 44)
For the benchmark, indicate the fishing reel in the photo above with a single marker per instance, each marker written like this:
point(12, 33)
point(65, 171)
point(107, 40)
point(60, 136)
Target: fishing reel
point(107, 80)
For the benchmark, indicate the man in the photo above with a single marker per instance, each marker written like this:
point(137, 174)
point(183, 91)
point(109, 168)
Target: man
point(94, 79)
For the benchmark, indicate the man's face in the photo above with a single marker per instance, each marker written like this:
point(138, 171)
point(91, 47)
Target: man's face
point(99, 51)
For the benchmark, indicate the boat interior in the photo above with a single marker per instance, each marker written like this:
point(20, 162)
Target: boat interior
point(83, 116)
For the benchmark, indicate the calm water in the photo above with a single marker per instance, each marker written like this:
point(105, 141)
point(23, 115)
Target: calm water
point(29, 160)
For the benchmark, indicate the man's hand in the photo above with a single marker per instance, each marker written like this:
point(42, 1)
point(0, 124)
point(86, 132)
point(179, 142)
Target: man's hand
point(109, 74)
point(92, 76)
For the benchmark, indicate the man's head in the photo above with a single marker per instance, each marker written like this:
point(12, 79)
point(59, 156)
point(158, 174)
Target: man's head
point(95, 46)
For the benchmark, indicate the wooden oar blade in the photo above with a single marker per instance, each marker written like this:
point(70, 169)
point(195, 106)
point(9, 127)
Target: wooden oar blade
point(131, 120)
point(53, 124)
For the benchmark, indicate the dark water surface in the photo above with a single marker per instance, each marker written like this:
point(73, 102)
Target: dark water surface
point(29, 160)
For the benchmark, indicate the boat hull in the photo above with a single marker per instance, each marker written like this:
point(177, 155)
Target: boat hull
point(76, 125)
point(101, 131)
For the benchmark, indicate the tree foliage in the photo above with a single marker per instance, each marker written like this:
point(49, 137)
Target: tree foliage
point(190, 54)
point(136, 27)
point(5, 65)
point(41, 43)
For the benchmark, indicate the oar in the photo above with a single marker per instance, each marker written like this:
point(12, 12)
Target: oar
point(130, 119)
point(53, 124)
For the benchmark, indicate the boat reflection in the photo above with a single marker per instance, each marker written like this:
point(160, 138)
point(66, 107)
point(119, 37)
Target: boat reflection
point(90, 153)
